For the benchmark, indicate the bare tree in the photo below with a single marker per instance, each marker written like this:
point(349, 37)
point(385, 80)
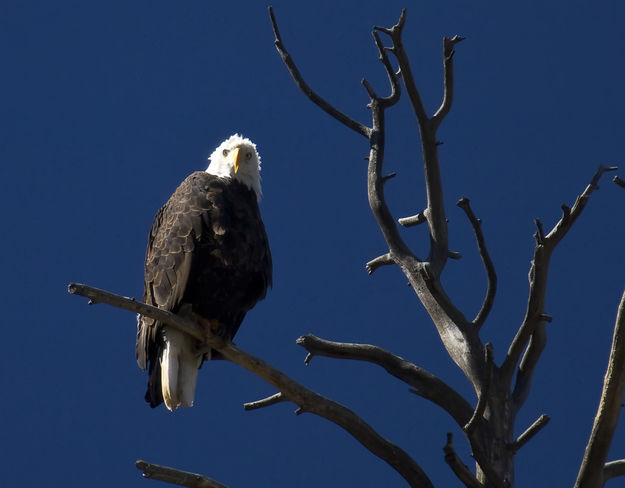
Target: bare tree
point(501, 389)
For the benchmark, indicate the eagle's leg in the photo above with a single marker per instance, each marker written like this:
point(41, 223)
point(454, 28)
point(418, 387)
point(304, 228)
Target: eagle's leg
point(213, 328)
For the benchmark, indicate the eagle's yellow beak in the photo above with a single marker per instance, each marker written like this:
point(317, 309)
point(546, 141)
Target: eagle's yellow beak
point(235, 158)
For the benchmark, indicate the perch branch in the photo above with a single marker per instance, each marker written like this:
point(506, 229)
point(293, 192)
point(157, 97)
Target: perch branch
point(312, 95)
point(618, 181)
point(529, 434)
point(591, 470)
point(533, 325)
point(97, 295)
point(307, 400)
point(460, 469)
point(491, 288)
point(175, 476)
point(265, 402)
point(613, 469)
point(425, 384)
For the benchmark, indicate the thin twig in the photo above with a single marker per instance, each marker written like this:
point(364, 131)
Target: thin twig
point(425, 384)
point(591, 470)
point(307, 400)
point(529, 434)
point(491, 275)
point(618, 181)
point(460, 469)
point(420, 218)
point(312, 95)
point(384, 260)
point(265, 402)
point(175, 476)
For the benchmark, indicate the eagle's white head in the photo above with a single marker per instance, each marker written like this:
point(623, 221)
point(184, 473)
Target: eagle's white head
point(237, 158)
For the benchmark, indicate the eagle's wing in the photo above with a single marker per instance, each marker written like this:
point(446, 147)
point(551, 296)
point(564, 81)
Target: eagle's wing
point(168, 260)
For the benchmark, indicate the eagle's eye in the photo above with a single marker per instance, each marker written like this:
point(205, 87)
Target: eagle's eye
point(248, 155)
point(225, 152)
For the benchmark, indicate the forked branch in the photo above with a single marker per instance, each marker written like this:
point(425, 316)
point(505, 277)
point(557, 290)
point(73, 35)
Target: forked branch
point(307, 400)
point(448, 73)
point(425, 384)
point(533, 326)
point(437, 221)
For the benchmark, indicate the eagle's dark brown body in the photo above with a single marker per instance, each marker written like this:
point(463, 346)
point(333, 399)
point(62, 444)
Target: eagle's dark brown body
point(208, 249)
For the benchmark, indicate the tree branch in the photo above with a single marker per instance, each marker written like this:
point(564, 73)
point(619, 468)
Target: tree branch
point(437, 221)
point(491, 288)
point(483, 398)
point(307, 400)
point(420, 218)
point(395, 33)
point(618, 181)
point(460, 469)
point(374, 264)
point(97, 295)
point(613, 469)
point(312, 95)
point(425, 383)
point(529, 434)
point(175, 476)
point(448, 70)
point(265, 402)
point(591, 470)
point(533, 325)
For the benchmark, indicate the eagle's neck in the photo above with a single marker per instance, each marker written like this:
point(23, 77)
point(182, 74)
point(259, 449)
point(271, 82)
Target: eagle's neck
point(249, 180)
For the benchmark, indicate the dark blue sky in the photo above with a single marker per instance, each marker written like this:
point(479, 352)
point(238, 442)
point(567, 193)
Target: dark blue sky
point(107, 106)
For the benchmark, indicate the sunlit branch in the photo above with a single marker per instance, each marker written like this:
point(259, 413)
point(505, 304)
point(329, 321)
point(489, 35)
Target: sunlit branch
point(307, 400)
point(265, 402)
point(384, 260)
point(420, 218)
point(591, 471)
point(425, 383)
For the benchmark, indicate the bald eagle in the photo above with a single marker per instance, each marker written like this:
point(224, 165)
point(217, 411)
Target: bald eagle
point(207, 258)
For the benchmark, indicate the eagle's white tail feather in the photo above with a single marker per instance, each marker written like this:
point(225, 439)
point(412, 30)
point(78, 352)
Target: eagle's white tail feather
point(179, 369)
